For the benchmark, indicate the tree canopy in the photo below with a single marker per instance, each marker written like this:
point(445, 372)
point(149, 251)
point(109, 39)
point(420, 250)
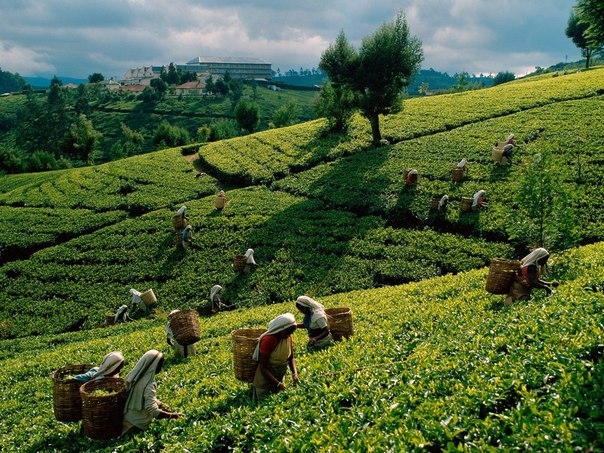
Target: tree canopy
point(377, 73)
point(591, 12)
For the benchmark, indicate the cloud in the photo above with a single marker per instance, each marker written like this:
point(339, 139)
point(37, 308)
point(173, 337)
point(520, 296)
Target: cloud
point(77, 37)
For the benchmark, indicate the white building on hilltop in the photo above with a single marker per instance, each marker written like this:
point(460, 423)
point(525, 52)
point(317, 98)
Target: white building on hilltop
point(238, 68)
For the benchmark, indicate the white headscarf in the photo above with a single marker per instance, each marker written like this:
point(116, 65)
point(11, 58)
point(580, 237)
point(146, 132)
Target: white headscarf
point(109, 365)
point(510, 137)
point(214, 291)
point(139, 378)
point(443, 202)
point(462, 163)
point(534, 256)
point(276, 325)
point(136, 296)
point(181, 210)
point(476, 196)
point(316, 309)
point(120, 311)
point(249, 254)
point(169, 332)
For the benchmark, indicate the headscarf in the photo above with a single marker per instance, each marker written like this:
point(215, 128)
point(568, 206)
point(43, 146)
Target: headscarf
point(443, 202)
point(316, 309)
point(534, 256)
point(510, 138)
point(276, 325)
point(476, 196)
point(249, 254)
point(214, 291)
point(181, 211)
point(139, 378)
point(111, 362)
point(462, 163)
point(221, 193)
point(119, 313)
point(169, 332)
point(136, 296)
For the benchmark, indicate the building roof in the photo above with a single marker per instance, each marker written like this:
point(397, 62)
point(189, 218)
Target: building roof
point(192, 85)
point(202, 60)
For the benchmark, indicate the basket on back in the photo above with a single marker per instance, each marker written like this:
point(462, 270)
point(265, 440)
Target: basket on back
point(457, 174)
point(220, 202)
point(244, 343)
point(178, 222)
point(103, 404)
point(239, 262)
point(340, 322)
point(501, 275)
point(466, 204)
point(66, 400)
point(148, 298)
point(185, 326)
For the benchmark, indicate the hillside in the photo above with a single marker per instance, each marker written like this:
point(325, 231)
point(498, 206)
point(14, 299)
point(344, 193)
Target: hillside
point(325, 214)
point(435, 363)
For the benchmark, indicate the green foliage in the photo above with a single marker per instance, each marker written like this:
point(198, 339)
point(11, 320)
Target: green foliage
point(378, 72)
point(167, 136)
point(591, 12)
point(544, 215)
point(247, 115)
point(438, 365)
point(503, 77)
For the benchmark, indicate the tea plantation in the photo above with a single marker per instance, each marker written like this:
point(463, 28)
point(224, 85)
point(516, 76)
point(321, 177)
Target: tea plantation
point(436, 363)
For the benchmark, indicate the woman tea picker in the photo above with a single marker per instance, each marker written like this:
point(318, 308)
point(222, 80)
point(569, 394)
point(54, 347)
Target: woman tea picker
point(529, 276)
point(110, 367)
point(274, 354)
point(142, 405)
point(315, 321)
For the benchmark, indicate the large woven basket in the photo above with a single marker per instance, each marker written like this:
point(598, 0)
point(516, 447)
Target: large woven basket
point(148, 298)
point(66, 401)
point(178, 222)
point(457, 174)
point(185, 326)
point(501, 275)
point(340, 322)
point(220, 202)
point(434, 203)
point(244, 343)
point(466, 204)
point(103, 404)
point(239, 262)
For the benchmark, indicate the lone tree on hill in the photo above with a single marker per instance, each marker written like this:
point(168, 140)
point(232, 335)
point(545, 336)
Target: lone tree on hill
point(378, 72)
point(575, 30)
point(591, 13)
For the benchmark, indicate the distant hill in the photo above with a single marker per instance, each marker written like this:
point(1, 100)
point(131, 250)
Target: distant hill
point(42, 82)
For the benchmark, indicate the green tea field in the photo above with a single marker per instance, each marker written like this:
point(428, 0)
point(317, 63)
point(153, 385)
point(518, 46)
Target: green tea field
point(436, 363)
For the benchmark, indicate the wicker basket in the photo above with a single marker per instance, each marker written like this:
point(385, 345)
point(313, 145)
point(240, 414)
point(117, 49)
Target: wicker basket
point(466, 204)
point(244, 343)
point(220, 202)
point(340, 322)
point(109, 319)
point(185, 326)
point(239, 262)
point(178, 222)
point(501, 275)
point(457, 174)
point(497, 153)
point(102, 414)
point(148, 298)
point(434, 203)
point(66, 401)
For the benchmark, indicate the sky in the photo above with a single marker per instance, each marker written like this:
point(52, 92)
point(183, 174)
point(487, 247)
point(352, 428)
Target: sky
point(77, 38)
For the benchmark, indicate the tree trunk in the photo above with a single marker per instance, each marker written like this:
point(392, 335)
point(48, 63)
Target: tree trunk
point(374, 120)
